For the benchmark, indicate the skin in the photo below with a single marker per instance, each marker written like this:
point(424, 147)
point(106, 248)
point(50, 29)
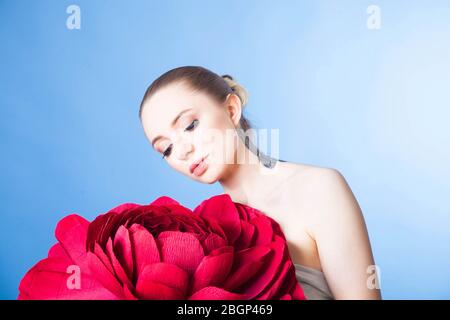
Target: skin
point(315, 207)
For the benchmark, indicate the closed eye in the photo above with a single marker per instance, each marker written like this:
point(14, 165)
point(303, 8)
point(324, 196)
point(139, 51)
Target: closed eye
point(192, 125)
point(167, 152)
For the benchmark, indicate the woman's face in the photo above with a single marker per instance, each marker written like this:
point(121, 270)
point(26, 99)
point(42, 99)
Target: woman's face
point(186, 126)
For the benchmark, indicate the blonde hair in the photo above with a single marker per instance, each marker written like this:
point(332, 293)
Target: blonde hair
point(237, 88)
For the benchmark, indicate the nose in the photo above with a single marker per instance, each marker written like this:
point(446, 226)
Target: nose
point(183, 149)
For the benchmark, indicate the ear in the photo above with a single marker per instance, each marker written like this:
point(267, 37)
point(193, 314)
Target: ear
point(233, 107)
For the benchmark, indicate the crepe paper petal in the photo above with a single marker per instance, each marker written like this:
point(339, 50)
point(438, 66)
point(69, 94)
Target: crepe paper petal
point(128, 293)
point(263, 230)
point(102, 274)
point(247, 263)
point(277, 229)
point(246, 213)
point(297, 293)
point(277, 282)
point(71, 232)
point(119, 271)
point(39, 281)
point(290, 284)
point(164, 200)
point(167, 274)
point(215, 227)
point(180, 248)
point(292, 287)
point(269, 270)
point(107, 224)
point(49, 279)
point(58, 251)
point(94, 229)
point(213, 269)
point(124, 207)
point(246, 238)
point(145, 248)
point(101, 255)
point(213, 241)
point(223, 209)
point(215, 293)
point(23, 296)
point(150, 290)
point(123, 250)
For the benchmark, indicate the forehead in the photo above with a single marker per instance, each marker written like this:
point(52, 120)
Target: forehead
point(166, 103)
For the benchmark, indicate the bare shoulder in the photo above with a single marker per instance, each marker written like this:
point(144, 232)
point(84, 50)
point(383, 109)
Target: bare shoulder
point(318, 191)
point(311, 178)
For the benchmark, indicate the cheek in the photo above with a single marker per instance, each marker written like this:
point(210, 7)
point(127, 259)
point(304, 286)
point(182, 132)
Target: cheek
point(217, 120)
point(221, 146)
point(210, 134)
point(177, 166)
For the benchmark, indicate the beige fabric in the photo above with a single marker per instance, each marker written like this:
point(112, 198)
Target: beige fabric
point(313, 283)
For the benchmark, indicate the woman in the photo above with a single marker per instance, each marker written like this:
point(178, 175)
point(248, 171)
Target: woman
point(193, 117)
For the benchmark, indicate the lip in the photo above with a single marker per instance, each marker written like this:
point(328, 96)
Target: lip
point(196, 163)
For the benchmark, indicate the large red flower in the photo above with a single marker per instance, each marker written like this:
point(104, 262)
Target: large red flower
point(221, 250)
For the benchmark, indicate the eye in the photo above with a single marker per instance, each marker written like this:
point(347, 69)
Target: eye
point(167, 152)
point(192, 125)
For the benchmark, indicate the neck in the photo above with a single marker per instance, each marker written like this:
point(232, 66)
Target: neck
point(247, 179)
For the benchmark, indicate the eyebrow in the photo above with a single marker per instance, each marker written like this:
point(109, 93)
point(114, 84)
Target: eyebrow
point(174, 121)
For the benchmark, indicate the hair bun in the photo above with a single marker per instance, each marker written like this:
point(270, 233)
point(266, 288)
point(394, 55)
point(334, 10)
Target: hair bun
point(237, 88)
point(227, 76)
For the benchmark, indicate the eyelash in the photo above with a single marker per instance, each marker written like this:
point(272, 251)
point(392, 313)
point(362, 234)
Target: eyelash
point(191, 127)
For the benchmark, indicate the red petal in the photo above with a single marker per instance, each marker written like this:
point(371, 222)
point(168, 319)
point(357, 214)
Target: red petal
point(213, 269)
point(150, 290)
point(298, 293)
point(128, 294)
point(214, 293)
point(180, 248)
point(247, 235)
point(269, 270)
point(164, 201)
point(101, 255)
point(57, 251)
point(164, 273)
point(264, 231)
point(124, 207)
point(247, 263)
point(118, 269)
point(145, 248)
point(247, 213)
point(102, 274)
point(123, 250)
point(71, 232)
point(223, 209)
point(282, 276)
point(213, 241)
point(48, 279)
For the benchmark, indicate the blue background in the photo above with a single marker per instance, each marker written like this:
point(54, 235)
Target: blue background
point(373, 104)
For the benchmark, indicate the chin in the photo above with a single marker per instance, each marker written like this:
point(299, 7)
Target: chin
point(206, 179)
point(212, 175)
point(210, 181)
